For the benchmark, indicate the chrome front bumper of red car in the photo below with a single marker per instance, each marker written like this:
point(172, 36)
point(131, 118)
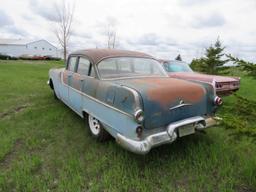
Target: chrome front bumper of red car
point(170, 135)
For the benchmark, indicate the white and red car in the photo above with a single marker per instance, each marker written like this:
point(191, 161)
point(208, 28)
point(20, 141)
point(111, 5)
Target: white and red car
point(181, 70)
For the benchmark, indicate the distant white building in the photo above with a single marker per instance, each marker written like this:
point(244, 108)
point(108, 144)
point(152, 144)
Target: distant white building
point(18, 47)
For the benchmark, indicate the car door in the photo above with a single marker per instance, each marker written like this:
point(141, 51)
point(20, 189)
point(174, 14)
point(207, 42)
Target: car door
point(77, 81)
point(67, 78)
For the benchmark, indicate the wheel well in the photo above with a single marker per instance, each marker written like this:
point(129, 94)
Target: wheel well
point(51, 84)
point(85, 115)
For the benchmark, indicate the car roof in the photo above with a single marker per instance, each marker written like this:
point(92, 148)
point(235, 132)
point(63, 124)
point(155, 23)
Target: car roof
point(96, 55)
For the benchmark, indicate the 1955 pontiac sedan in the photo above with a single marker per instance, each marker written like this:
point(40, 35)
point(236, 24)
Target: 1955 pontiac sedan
point(129, 95)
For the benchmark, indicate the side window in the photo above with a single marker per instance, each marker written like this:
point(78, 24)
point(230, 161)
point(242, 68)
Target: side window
point(83, 66)
point(72, 64)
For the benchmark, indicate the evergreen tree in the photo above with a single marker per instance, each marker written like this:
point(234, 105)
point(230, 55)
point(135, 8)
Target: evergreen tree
point(178, 58)
point(246, 66)
point(197, 64)
point(212, 62)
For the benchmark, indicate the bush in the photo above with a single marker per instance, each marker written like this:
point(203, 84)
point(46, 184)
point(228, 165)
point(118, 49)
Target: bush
point(25, 57)
point(242, 119)
point(7, 57)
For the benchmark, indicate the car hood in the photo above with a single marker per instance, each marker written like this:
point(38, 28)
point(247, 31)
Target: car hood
point(202, 77)
point(161, 98)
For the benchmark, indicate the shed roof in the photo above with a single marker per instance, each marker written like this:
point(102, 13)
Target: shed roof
point(96, 55)
point(14, 41)
point(20, 41)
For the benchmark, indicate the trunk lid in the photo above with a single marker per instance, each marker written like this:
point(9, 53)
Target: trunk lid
point(167, 100)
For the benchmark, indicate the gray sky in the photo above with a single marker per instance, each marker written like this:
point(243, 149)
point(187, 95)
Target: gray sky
point(163, 28)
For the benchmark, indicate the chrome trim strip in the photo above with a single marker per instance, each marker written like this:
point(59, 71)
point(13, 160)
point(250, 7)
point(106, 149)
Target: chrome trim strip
point(96, 100)
point(136, 96)
point(214, 87)
point(180, 105)
point(133, 77)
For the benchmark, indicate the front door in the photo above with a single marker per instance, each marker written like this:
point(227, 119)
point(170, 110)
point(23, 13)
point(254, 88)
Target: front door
point(67, 79)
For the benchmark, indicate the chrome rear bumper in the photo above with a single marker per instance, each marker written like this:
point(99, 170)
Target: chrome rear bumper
point(168, 136)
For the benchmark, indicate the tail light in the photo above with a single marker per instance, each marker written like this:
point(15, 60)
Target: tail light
point(218, 85)
point(218, 101)
point(139, 116)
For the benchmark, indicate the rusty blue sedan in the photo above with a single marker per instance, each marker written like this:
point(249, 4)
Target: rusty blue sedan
point(128, 95)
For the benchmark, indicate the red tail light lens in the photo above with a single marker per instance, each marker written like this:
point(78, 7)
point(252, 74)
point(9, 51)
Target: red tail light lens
point(139, 131)
point(218, 101)
point(218, 85)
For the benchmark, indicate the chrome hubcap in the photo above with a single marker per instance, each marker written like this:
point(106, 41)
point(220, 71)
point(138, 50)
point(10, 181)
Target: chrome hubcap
point(94, 125)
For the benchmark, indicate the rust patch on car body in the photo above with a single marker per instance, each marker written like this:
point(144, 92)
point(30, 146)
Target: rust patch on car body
point(166, 91)
point(65, 77)
point(76, 81)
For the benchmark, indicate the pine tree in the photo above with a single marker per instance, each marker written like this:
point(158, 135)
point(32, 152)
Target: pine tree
point(246, 66)
point(212, 62)
point(178, 58)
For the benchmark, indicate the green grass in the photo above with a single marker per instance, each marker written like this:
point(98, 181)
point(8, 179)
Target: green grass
point(44, 146)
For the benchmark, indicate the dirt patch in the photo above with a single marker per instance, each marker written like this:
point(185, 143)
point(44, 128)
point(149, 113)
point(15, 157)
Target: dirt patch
point(12, 111)
point(7, 159)
point(243, 188)
point(182, 184)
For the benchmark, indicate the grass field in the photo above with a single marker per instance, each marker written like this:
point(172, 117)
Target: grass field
point(44, 146)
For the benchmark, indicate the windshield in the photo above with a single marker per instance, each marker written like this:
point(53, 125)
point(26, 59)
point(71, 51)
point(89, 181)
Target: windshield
point(130, 67)
point(177, 66)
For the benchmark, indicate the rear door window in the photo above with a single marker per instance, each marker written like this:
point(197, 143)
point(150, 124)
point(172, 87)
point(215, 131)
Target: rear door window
point(83, 66)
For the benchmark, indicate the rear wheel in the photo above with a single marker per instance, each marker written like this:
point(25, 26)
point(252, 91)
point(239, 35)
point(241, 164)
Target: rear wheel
point(96, 129)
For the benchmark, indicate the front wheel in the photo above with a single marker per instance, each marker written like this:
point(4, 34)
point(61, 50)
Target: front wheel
point(52, 87)
point(96, 129)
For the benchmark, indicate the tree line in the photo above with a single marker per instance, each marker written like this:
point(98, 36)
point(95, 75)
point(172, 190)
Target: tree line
point(212, 62)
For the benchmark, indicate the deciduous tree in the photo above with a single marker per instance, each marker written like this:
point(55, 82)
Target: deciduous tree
point(64, 15)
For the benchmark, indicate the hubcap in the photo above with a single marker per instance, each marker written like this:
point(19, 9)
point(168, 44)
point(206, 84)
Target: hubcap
point(94, 125)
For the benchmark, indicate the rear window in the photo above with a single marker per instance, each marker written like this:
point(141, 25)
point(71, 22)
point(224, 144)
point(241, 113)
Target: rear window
point(130, 67)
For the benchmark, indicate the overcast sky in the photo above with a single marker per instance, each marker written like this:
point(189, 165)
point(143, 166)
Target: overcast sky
point(163, 28)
